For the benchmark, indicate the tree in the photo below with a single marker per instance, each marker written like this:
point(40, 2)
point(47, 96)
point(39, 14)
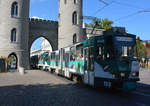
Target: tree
point(141, 50)
point(101, 24)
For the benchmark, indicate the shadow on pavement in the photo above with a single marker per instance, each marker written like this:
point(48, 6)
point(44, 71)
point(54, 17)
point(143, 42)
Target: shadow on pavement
point(62, 95)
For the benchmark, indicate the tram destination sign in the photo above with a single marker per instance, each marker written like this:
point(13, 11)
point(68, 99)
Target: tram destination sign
point(124, 39)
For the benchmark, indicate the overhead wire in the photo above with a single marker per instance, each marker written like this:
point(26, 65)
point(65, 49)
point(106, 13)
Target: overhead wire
point(133, 14)
point(124, 4)
point(127, 16)
point(127, 5)
point(105, 5)
point(116, 2)
point(104, 2)
point(92, 17)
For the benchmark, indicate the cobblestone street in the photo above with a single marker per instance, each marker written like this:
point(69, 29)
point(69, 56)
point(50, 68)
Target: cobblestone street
point(38, 88)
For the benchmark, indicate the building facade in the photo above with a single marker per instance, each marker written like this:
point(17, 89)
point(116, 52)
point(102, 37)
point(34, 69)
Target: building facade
point(147, 45)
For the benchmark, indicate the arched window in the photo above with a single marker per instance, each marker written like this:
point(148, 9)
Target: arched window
point(75, 1)
point(13, 35)
point(74, 18)
point(74, 38)
point(14, 9)
point(65, 1)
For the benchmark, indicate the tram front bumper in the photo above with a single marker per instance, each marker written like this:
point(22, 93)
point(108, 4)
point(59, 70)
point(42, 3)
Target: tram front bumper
point(125, 85)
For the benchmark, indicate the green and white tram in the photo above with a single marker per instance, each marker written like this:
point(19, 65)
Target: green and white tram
point(109, 60)
point(44, 61)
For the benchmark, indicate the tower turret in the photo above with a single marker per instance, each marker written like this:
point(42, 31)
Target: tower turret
point(70, 22)
point(14, 30)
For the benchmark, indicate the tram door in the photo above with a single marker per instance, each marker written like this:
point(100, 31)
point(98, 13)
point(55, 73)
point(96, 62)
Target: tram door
point(89, 66)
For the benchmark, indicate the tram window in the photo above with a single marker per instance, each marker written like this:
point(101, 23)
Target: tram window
point(66, 59)
point(127, 51)
point(57, 59)
point(79, 49)
point(91, 59)
point(110, 50)
point(59, 55)
point(85, 59)
point(72, 53)
point(47, 57)
point(53, 56)
point(72, 56)
point(100, 52)
point(80, 53)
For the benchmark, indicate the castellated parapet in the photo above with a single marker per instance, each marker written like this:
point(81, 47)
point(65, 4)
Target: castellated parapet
point(41, 21)
point(42, 24)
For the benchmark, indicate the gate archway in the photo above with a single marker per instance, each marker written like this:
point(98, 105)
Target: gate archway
point(43, 28)
point(38, 47)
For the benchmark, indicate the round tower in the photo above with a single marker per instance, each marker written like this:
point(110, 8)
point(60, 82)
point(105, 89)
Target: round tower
point(70, 22)
point(14, 31)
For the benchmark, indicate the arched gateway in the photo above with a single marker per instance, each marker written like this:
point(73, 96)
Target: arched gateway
point(43, 28)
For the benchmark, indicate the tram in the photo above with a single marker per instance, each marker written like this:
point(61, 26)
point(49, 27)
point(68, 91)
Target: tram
point(109, 60)
point(44, 62)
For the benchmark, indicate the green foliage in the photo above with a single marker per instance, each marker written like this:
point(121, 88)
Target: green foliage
point(101, 24)
point(7, 59)
point(141, 50)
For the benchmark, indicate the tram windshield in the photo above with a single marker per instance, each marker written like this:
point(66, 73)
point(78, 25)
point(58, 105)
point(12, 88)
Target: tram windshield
point(125, 47)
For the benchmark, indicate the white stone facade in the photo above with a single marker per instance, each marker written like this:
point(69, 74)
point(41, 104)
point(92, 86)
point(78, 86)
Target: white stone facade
point(46, 45)
point(35, 52)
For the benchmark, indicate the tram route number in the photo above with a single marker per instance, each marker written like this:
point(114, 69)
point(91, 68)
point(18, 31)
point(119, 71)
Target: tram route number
point(107, 84)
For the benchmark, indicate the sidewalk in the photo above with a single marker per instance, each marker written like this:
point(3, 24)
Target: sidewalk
point(145, 76)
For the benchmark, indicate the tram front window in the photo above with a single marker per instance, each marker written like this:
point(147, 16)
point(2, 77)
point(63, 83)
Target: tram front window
point(126, 49)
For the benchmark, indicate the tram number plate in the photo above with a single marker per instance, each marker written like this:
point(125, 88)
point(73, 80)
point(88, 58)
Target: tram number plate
point(107, 84)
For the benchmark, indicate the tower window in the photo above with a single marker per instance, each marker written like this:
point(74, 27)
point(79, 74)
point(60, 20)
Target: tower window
point(74, 38)
point(14, 9)
point(65, 1)
point(13, 35)
point(75, 1)
point(74, 18)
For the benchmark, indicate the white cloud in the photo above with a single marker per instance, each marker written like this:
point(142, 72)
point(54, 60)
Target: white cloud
point(38, 0)
point(35, 17)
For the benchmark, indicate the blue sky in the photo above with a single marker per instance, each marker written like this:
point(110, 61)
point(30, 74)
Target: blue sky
point(119, 11)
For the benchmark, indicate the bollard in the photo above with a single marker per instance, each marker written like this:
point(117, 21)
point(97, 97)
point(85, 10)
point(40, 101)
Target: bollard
point(21, 70)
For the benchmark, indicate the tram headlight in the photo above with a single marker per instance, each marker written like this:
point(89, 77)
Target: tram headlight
point(122, 74)
point(135, 74)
